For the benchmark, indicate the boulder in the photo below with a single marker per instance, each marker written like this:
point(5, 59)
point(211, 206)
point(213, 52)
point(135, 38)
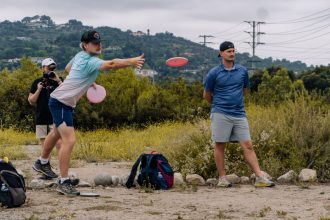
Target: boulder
point(195, 179)
point(289, 177)
point(178, 179)
point(307, 175)
point(103, 179)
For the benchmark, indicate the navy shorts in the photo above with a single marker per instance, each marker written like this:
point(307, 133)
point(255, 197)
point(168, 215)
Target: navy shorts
point(60, 112)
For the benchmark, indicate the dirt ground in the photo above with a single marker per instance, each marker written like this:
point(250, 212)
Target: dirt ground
point(203, 202)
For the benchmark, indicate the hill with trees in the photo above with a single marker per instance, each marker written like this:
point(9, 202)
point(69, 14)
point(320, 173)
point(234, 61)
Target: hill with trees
point(39, 37)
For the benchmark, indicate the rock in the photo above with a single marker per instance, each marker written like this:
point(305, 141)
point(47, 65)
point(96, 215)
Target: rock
point(233, 178)
point(84, 184)
point(253, 176)
point(212, 182)
point(115, 180)
point(245, 180)
point(37, 184)
point(307, 175)
point(73, 175)
point(103, 179)
point(178, 179)
point(123, 180)
point(195, 179)
point(50, 184)
point(289, 177)
point(20, 172)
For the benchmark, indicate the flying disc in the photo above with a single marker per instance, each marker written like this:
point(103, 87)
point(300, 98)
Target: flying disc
point(89, 194)
point(96, 94)
point(177, 61)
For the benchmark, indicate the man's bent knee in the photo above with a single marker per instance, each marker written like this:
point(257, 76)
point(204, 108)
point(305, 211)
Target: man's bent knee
point(246, 145)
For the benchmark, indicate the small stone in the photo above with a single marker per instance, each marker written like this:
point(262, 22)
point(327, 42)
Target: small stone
point(212, 182)
point(103, 179)
point(84, 184)
point(50, 184)
point(115, 180)
point(37, 184)
point(307, 175)
point(20, 172)
point(245, 180)
point(123, 180)
point(178, 179)
point(73, 175)
point(233, 178)
point(195, 179)
point(289, 177)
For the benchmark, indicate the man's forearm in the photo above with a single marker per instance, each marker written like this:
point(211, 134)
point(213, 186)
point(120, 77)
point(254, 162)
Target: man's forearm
point(119, 63)
point(34, 97)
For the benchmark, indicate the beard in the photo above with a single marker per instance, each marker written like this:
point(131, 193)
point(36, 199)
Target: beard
point(229, 59)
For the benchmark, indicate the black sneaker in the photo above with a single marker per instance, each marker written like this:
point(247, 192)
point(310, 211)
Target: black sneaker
point(45, 169)
point(66, 188)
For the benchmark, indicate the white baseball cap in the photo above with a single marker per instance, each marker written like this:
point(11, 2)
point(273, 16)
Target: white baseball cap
point(47, 62)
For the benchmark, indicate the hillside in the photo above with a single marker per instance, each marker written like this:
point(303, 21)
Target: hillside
point(40, 37)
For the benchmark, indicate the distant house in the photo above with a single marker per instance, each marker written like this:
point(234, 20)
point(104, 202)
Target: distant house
point(23, 38)
point(112, 48)
point(15, 60)
point(37, 60)
point(139, 34)
point(147, 72)
point(188, 54)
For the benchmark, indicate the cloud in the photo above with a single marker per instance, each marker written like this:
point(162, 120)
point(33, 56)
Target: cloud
point(186, 18)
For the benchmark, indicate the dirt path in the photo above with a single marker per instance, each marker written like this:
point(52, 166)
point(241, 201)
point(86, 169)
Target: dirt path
point(239, 202)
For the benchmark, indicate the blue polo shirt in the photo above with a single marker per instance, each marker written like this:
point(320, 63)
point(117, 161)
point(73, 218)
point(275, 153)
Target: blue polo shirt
point(227, 89)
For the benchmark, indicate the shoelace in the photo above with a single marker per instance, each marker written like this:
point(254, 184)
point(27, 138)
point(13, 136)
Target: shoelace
point(47, 168)
point(68, 186)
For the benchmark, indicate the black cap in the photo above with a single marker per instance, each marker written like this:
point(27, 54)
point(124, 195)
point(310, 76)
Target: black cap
point(225, 46)
point(91, 37)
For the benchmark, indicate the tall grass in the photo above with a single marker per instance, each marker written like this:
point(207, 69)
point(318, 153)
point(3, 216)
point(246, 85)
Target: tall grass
point(128, 144)
point(11, 142)
point(293, 135)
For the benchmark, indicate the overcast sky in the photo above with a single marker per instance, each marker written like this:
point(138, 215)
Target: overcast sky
point(294, 29)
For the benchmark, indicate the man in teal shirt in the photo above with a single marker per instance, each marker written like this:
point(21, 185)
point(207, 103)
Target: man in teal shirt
point(83, 70)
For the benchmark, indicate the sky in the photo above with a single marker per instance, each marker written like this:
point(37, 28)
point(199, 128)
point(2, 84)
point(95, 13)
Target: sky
point(293, 29)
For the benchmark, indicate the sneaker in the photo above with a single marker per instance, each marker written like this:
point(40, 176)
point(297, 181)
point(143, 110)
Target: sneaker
point(223, 182)
point(66, 188)
point(45, 169)
point(263, 182)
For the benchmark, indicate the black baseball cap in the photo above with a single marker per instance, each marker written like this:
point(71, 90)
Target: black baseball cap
point(225, 46)
point(91, 37)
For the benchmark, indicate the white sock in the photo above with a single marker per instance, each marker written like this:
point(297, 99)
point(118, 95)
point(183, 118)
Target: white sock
point(43, 161)
point(63, 179)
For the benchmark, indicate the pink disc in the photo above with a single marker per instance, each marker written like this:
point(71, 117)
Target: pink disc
point(96, 94)
point(177, 61)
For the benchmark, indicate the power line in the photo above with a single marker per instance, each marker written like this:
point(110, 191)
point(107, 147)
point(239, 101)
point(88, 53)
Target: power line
point(255, 34)
point(299, 32)
point(205, 42)
point(297, 40)
point(302, 19)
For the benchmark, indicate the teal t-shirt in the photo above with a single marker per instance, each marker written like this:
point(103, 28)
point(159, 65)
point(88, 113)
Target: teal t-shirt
point(83, 73)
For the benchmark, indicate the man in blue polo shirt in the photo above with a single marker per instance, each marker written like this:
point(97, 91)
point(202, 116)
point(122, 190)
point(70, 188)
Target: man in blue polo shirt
point(224, 88)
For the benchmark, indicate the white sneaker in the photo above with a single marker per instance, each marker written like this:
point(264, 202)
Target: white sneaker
point(263, 181)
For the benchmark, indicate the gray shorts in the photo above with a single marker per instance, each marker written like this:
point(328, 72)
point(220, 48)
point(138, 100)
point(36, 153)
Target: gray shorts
point(43, 130)
point(227, 128)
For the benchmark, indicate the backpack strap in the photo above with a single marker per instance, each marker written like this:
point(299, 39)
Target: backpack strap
point(12, 173)
point(132, 175)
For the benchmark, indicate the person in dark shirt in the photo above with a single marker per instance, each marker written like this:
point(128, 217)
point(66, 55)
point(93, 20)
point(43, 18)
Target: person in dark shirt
point(39, 96)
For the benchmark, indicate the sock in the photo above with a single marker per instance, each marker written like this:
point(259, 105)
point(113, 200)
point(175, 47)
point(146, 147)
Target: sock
point(43, 161)
point(63, 179)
